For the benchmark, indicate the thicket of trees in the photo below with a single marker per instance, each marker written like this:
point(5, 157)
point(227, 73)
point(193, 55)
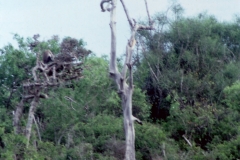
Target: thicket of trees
point(186, 93)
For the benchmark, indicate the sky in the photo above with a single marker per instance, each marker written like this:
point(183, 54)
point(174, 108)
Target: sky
point(83, 19)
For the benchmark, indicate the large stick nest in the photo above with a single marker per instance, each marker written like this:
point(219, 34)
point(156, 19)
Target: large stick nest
point(64, 67)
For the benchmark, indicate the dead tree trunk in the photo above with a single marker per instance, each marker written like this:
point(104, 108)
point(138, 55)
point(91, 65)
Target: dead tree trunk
point(32, 109)
point(18, 113)
point(17, 116)
point(125, 90)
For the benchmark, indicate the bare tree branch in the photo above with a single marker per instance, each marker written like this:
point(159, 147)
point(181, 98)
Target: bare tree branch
point(149, 18)
point(38, 131)
point(163, 150)
point(71, 100)
point(153, 72)
point(137, 120)
point(126, 12)
point(190, 144)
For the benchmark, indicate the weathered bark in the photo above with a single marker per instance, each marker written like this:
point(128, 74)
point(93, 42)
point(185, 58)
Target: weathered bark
point(30, 118)
point(128, 124)
point(16, 117)
point(38, 131)
point(125, 90)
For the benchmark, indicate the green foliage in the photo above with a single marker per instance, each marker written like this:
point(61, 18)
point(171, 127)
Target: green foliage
point(141, 108)
point(193, 57)
point(97, 83)
point(188, 69)
point(102, 128)
point(232, 98)
point(46, 150)
point(11, 145)
point(149, 139)
point(227, 150)
point(15, 68)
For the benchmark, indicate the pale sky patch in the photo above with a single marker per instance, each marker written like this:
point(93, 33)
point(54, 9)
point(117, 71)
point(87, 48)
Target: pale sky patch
point(84, 19)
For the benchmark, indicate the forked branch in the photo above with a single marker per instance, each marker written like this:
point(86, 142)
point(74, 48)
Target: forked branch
point(125, 90)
